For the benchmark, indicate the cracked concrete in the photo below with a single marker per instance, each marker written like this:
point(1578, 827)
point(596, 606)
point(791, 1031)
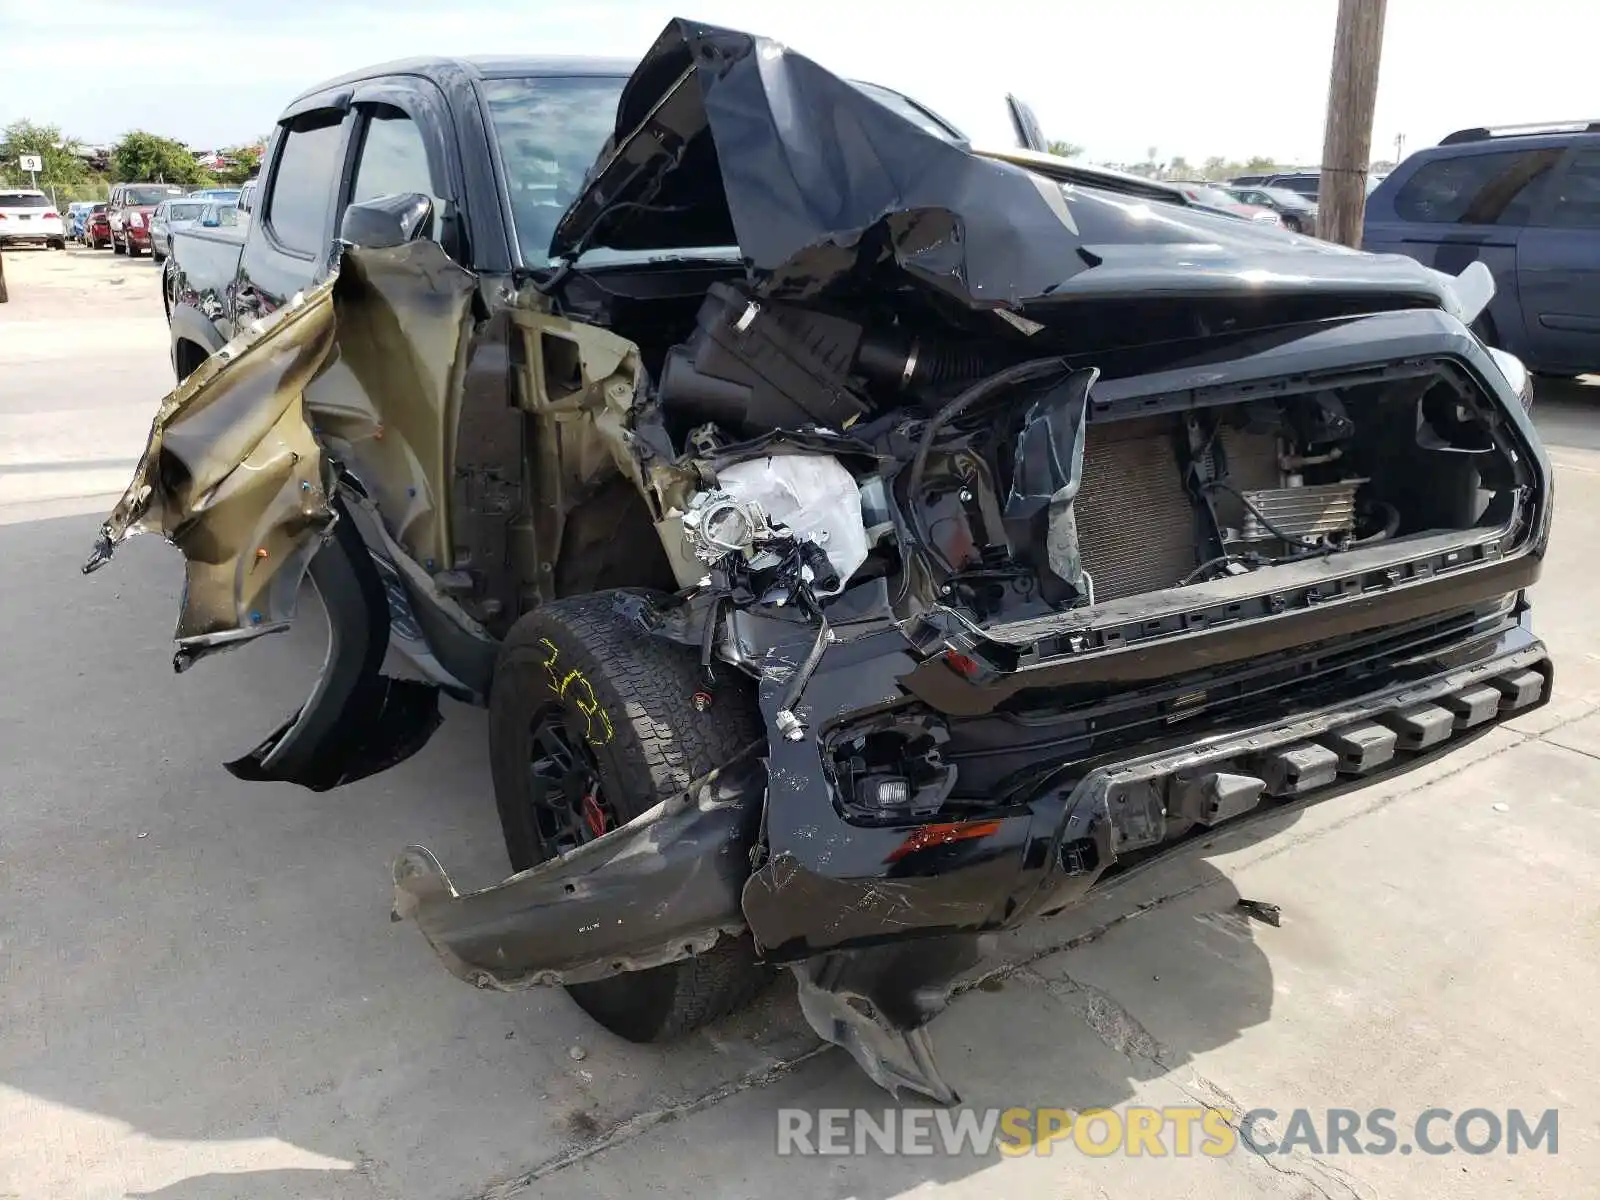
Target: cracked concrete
point(203, 999)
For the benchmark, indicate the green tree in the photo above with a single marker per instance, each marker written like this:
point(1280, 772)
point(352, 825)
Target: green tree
point(1179, 167)
point(1260, 166)
point(246, 159)
point(61, 163)
point(142, 156)
point(1063, 149)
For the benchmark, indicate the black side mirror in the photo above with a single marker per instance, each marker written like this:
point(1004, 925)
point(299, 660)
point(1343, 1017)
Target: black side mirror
point(387, 221)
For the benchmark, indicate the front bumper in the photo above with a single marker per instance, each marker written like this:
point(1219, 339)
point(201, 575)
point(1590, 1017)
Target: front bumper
point(1043, 852)
point(672, 880)
point(876, 924)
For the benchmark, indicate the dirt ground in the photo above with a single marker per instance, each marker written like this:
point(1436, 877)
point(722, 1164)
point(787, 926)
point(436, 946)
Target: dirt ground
point(202, 997)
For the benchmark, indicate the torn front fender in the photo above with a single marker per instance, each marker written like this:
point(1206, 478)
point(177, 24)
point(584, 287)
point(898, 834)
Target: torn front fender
point(662, 887)
point(323, 439)
point(366, 370)
point(233, 477)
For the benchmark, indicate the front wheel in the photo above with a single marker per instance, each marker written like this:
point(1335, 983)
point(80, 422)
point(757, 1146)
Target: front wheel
point(591, 723)
point(116, 246)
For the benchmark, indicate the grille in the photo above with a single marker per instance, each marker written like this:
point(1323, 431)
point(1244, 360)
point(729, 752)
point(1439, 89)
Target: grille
point(1136, 526)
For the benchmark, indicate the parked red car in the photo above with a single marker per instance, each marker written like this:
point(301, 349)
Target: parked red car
point(97, 228)
point(130, 208)
point(1210, 196)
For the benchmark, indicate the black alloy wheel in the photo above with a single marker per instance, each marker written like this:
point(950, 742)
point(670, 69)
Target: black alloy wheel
point(566, 798)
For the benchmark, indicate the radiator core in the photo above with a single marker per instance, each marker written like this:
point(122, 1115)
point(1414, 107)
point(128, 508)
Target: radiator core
point(1137, 529)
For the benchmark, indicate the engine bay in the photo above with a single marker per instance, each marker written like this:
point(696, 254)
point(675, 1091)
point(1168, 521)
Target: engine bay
point(1004, 479)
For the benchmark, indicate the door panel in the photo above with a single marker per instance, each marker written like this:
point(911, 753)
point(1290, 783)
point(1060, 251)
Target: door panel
point(1558, 269)
point(1464, 208)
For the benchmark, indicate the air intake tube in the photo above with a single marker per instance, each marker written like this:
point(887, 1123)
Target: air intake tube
point(897, 363)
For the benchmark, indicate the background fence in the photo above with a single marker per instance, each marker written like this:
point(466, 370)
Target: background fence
point(61, 194)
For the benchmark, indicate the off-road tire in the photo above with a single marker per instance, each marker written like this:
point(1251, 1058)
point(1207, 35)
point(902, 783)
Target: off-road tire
point(654, 743)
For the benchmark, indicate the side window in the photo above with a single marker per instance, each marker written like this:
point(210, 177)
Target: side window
point(393, 159)
point(1577, 200)
point(304, 182)
point(1476, 189)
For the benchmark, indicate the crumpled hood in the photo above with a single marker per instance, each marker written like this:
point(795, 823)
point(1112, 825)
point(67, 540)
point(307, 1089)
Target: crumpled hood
point(727, 138)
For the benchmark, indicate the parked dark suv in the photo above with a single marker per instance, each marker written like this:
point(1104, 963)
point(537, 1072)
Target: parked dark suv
point(1526, 201)
point(1303, 183)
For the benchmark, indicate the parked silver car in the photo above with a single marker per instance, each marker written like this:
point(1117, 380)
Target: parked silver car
point(170, 215)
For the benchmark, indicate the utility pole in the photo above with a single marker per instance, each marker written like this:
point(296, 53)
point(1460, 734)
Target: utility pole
point(1347, 138)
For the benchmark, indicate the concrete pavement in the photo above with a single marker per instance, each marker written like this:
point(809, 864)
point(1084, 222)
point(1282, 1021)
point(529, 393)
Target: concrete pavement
point(201, 996)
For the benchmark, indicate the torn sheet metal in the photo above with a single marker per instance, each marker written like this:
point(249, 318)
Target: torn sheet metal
point(876, 1003)
point(733, 139)
point(387, 403)
point(365, 371)
point(233, 477)
point(661, 887)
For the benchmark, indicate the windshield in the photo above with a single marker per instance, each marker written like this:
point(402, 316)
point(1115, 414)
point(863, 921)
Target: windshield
point(23, 200)
point(184, 212)
point(910, 110)
point(550, 131)
point(153, 194)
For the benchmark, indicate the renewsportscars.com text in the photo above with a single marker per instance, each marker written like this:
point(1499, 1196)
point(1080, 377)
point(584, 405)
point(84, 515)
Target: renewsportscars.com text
point(1172, 1131)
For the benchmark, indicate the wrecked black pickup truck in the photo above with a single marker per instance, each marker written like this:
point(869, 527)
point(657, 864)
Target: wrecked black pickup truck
point(861, 544)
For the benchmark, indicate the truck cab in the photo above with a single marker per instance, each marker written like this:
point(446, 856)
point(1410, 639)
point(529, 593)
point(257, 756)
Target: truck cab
point(500, 145)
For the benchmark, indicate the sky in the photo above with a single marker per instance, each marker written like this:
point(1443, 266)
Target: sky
point(1190, 77)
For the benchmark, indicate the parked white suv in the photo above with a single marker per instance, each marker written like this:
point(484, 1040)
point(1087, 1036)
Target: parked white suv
point(30, 216)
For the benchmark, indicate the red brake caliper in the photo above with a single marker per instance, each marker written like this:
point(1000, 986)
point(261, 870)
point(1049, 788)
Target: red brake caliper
point(593, 815)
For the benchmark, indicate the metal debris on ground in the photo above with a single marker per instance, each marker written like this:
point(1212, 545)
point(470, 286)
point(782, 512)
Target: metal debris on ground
point(1262, 911)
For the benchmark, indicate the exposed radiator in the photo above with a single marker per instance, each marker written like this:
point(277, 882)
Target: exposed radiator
point(1136, 526)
